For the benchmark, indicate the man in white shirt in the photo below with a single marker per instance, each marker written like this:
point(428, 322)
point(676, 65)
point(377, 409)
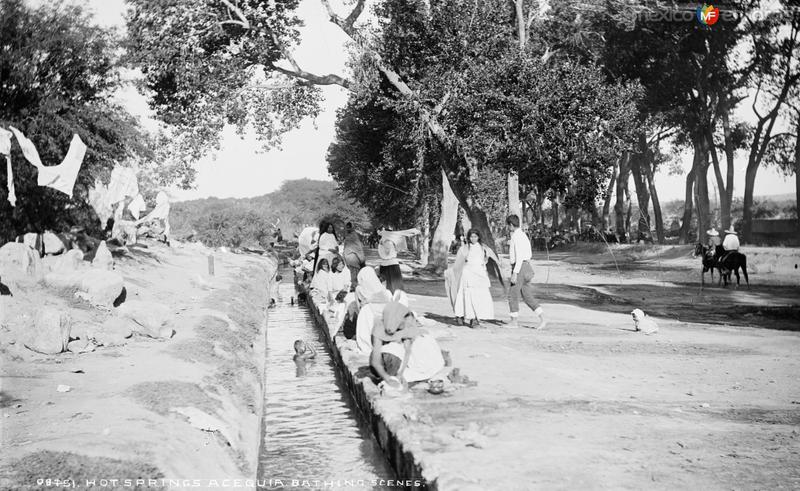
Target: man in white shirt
point(731, 242)
point(521, 274)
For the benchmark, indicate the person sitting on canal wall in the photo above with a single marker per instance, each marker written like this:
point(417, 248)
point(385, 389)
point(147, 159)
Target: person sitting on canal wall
point(371, 298)
point(320, 284)
point(401, 352)
point(339, 279)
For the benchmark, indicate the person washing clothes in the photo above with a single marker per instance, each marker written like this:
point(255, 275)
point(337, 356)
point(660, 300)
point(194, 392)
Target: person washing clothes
point(401, 352)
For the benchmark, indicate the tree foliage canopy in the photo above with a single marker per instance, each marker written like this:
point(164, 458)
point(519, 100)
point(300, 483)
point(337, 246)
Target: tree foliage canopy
point(57, 75)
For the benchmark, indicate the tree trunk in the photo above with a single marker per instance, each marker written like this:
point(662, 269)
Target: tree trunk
point(686, 224)
point(607, 196)
point(443, 235)
point(642, 191)
point(725, 213)
point(749, 185)
point(622, 191)
point(628, 213)
point(476, 215)
point(724, 203)
point(423, 248)
point(514, 207)
point(797, 167)
point(554, 207)
point(701, 165)
point(658, 218)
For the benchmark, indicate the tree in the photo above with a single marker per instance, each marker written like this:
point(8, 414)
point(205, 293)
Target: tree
point(777, 78)
point(248, 38)
point(57, 75)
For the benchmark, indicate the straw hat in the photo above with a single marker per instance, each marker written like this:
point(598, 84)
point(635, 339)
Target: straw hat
point(731, 231)
point(713, 232)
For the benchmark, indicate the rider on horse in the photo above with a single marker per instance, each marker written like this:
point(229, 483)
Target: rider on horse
point(714, 243)
point(730, 244)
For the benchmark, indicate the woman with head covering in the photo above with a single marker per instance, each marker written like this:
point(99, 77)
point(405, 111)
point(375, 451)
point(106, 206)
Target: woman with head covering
point(401, 352)
point(371, 297)
point(321, 283)
point(339, 277)
point(467, 282)
point(390, 243)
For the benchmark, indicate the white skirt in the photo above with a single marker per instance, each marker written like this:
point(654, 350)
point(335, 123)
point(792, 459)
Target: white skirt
point(474, 300)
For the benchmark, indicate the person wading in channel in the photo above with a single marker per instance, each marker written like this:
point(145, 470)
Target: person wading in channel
point(521, 274)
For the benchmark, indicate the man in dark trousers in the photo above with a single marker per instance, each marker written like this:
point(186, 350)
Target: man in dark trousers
point(521, 274)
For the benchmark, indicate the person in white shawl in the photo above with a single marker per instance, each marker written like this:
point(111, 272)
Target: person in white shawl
point(321, 283)
point(339, 278)
point(372, 297)
point(328, 242)
point(467, 282)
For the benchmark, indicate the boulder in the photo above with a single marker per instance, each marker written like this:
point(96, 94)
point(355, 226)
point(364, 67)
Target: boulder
point(63, 280)
point(80, 346)
point(101, 287)
point(53, 244)
point(113, 332)
point(102, 257)
point(49, 333)
point(20, 259)
point(70, 261)
point(96, 286)
point(152, 319)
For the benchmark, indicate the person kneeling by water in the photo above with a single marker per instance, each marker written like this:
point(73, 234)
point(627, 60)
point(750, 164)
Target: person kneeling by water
point(401, 352)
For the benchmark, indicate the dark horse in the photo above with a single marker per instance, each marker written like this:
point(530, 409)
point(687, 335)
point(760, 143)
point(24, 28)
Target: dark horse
point(725, 262)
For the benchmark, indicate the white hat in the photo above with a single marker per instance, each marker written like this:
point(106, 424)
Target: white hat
point(731, 231)
point(713, 232)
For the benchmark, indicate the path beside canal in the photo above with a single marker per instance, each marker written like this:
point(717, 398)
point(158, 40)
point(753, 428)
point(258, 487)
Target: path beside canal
point(711, 401)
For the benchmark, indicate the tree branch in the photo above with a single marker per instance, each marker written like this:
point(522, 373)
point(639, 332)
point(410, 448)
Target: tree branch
point(311, 78)
point(242, 18)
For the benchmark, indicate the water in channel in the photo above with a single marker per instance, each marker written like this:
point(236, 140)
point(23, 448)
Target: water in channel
point(311, 431)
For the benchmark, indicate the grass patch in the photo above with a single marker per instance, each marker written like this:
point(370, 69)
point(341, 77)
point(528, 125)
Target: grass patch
point(196, 351)
point(24, 473)
point(161, 397)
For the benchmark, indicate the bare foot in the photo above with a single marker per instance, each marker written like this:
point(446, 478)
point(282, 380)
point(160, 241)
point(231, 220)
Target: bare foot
point(512, 324)
point(541, 325)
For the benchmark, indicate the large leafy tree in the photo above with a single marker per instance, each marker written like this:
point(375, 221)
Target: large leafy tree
point(420, 52)
point(57, 76)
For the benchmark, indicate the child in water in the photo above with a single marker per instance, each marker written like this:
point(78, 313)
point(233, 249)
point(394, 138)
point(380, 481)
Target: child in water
point(303, 352)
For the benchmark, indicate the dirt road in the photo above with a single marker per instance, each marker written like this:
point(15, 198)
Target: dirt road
point(710, 402)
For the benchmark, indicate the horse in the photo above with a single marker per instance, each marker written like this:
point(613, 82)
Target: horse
point(730, 262)
point(725, 262)
point(709, 263)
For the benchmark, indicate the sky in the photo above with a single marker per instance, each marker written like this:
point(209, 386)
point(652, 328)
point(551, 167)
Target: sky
point(238, 170)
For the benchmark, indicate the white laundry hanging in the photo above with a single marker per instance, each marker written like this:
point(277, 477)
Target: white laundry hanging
point(136, 206)
point(5, 148)
point(59, 177)
point(62, 177)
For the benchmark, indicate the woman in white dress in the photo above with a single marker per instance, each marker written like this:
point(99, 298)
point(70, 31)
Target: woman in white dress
point(321, 283)
point(467, 281)
point(328, 242)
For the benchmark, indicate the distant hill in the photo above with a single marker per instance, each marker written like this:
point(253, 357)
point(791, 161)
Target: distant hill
point(238, 222)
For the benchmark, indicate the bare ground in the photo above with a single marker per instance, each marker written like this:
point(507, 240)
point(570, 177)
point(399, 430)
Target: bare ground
point(710, 402)
point(183, 408)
